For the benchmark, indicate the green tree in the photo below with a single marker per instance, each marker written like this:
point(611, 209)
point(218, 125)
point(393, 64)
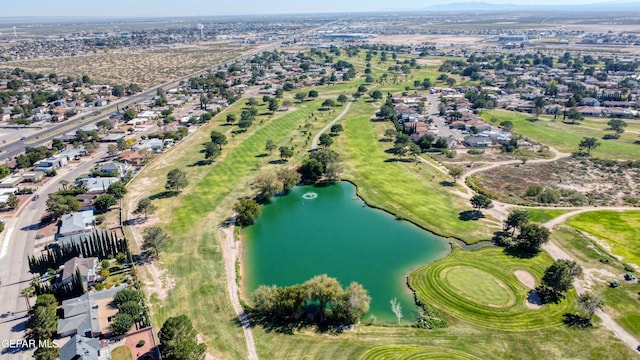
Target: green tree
point(146, 207)
point(285, 152)
point(127, 295)
point(342, 98)
point(289, 178)
point(155, 239)
point(506, 125)
point(480, 201)
point(617, 125)
point(531, 237)
point(121, 324)
point(311, 170)
point(46, 353)
point(313, 94)
point(58, 205)
point(273, 105)
point(117, 90)
point(588, 143)
point(218, 138)
point(247, 210)
point(4, 171)
point(231, 118)
point(325, 140)
point(376, 95)
point(337, 128)
point(252, 102)
point(389, 134)
point(455, 173)
point(352, 305)
point(300, 96)
point(328, 103)
point(325, 156)
point(267, 185)
point(516, 220)
point(13, 201)
point(133, 309)
point(117, 189)
point(270, 146)
point(325, 291)
point(178, 340)
point(211, 150)
point(590, 303)
point(130, 114)
point(176, 180)
point(58, 144)
point(104, 202)
point(558, 277)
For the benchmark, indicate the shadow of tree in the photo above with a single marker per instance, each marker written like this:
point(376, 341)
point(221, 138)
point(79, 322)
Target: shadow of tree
point(469, 215)
point(163, 195)
point(520, 253)
point(262, 155)
point(447, 183)
point(576, 321)
point(200, 163)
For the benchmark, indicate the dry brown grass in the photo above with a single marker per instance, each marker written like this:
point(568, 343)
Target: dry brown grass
point(145, 68)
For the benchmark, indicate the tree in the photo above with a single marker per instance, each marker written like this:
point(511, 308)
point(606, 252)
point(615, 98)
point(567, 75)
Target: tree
point(353, 303)
point(112, 150)
point(285, 152)
point(155, 239)
point(289, 178)
point(326, 140)
point(46, 353)
point(455, 173)
point(480, 201)
point(13, 201)
point(245, 123)
point(176, 179)
point(105, 202)
point(117, 189)
point(267, 185)
point(325, 291)
point(342, 98)
point(531, 237)
point(218, 138)
point(328, 103)
point(178, 340)
point(121, 324)
point(311, 170)
point(58, 144)
point(270, 146)
point(117, 90)
point(558, 277)
point(516, 220)
point(376, 95)
point(337, 128)
point(130, 114)
point(325, 156)
point(252, 102)
point(211, 150)
point(396, 308)
point(313, 94)
point(588, 143)
point(287, 103)
point(231, 118)
point(389, 134)
point(300, 96)
point(617, 125)
point(273, 105)
point(126, 295)
point(146, 207)
point(590, 303)
point(247, 210)
point(506, 125)
point(539, 104)
point(133, 309)
point(58, 205)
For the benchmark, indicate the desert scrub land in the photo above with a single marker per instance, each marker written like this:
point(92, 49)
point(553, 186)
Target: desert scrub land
point(146, 68)
point(566, 182)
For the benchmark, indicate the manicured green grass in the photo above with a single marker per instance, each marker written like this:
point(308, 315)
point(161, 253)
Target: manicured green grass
point(414, 352)
point(121, 353)
point(566, 137)
point(394, 187)
point(430, 283)
point(478, 286)
point(620, 230)
point(624, 303)
point(541, 216)
point(583, 249)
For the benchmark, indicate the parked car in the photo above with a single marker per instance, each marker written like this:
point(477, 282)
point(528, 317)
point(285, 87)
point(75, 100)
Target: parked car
point(35, 197)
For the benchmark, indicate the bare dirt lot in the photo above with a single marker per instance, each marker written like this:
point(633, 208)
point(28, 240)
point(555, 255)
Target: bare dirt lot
point(145, 68)
point(566, 182)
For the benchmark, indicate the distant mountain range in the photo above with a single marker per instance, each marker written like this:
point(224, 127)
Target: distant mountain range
point(483, 6)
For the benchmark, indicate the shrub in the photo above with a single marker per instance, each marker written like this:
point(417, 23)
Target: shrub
point(533, 190)
point(140, 343)
point(475, 152)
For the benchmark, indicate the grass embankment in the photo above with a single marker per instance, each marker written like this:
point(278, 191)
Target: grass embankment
point(408, 190)
point(619, 230)
point(459, 283)
point(193, 256)
point(565, 137)
point(414, 352)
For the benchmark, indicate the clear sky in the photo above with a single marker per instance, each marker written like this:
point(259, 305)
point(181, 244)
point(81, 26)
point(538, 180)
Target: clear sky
point(10, 8)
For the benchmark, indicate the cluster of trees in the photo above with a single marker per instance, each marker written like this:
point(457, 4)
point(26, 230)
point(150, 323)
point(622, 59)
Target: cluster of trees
point(323, 162)
point(321, 301)
point(179, 340)
point(557, 280)
point(522, 235)
point(131, 310)
point(43, 326)
point(61, 291)
point(100, 243)
point(271, 184)
point(213, 148)
point(33, 154)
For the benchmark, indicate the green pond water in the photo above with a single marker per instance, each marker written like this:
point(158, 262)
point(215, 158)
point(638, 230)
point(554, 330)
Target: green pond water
point(317, 230)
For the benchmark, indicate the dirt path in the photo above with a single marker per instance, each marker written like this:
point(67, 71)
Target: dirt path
point(231, 252)
point(314, 143)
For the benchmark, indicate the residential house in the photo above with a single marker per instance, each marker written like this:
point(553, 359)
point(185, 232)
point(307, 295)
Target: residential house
point(89, 315)
point(113, 168)
point(131, 157)
point(86, 267)
point(11, 181)
point(477, 141)
point(97, 185)
point(52, 163)
point(80, 348)
point(589, 111)
point(76, 223)
point(87, 200)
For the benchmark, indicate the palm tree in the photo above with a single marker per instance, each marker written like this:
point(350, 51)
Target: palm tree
point(64, 184)
point(27, 293)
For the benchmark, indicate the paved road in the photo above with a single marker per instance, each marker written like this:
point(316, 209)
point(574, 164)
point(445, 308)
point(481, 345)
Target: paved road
point(17, 243)
point(314, 143)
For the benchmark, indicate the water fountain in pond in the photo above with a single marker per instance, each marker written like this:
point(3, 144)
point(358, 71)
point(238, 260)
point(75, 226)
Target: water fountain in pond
point(310, 195)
